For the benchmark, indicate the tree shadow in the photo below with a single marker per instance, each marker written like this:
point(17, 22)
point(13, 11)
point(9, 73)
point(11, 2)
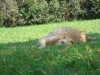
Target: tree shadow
point(18, 45)
point(29, 52)
point(94, 35)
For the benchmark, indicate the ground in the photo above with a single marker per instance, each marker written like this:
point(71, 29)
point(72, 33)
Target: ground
point(18, 56)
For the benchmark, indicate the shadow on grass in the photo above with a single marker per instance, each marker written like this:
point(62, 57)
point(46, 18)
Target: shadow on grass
point(18, 44)
point(94, 35)
point(24, 58)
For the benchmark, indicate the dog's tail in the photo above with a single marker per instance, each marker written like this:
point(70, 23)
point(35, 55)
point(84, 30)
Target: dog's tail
point(92, 38)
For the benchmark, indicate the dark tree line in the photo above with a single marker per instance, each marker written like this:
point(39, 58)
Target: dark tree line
point(30, 12)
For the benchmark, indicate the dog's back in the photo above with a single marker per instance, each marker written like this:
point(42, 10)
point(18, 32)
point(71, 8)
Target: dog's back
point(74, 34)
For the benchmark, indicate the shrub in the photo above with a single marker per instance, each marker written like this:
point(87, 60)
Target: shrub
point(58, 10)
point(10, 13)
point(23, 12)
point(35, 11)
point(1, 20)
point(95, 9)
point(91, 9)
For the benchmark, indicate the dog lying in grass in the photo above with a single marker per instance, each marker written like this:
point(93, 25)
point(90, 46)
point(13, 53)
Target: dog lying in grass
point(65, 35)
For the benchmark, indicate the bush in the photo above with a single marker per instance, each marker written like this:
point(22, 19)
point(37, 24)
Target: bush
point(74, 8)
point(58, 10)
point(91, 9)
point(94, 9)
point(1, 13)
point(35, 11)
point(10, 13)
point(27, 12)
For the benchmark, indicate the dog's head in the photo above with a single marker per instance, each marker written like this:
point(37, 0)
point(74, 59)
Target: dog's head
point(67, 41)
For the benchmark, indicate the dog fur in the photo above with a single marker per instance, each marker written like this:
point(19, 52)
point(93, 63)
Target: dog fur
point(66, 35)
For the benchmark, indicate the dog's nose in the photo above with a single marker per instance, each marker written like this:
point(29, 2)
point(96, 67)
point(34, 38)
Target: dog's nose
point(63, 42)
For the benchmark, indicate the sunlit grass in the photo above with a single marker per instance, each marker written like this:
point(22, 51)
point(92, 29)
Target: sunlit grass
point(18, 56)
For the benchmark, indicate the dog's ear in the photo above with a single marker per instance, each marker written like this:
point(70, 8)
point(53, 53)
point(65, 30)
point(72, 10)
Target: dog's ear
point(64, 37)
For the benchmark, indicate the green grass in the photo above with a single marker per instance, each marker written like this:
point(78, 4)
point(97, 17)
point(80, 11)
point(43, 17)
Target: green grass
point(18, 56)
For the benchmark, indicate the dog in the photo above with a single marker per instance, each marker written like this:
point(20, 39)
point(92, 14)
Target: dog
point(65, 35)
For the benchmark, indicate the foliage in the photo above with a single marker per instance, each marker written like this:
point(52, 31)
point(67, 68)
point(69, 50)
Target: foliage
point(35, 11)
point(95, 8)
point(1, 13)
point(91, 8)
point(43, 12)
point(10, 13)
point(28, 12)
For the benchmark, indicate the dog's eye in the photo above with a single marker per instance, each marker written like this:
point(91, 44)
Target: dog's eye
point(72, 42)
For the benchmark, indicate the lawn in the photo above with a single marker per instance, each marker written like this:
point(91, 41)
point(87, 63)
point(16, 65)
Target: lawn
point(19, 56)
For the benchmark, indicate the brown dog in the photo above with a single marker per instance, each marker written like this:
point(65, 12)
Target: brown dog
point(66, 35)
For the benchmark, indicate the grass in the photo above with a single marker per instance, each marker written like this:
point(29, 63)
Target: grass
point(18, 56)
